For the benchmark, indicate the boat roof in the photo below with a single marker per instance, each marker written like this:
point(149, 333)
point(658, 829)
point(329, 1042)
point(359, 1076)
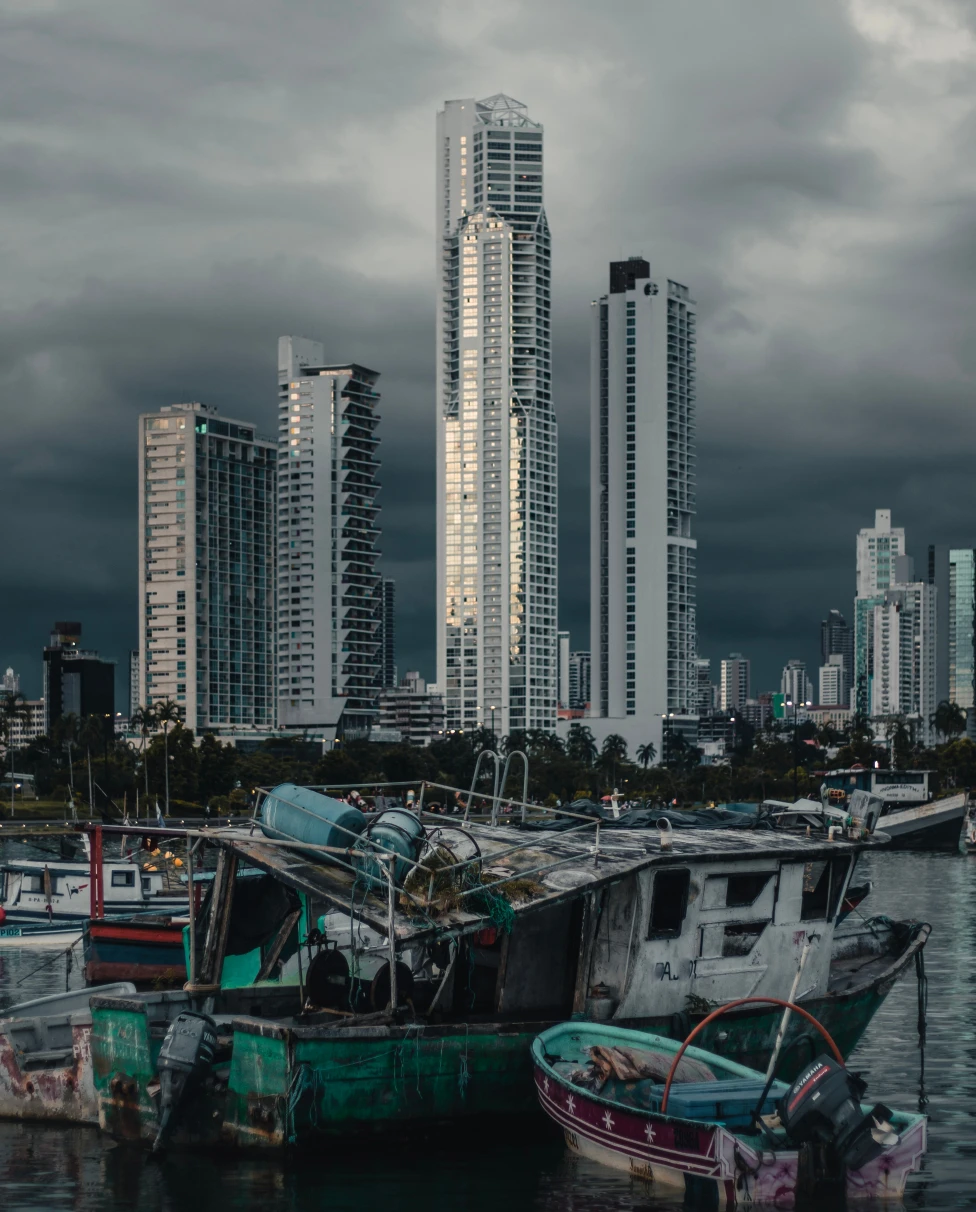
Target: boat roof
point(553, 867)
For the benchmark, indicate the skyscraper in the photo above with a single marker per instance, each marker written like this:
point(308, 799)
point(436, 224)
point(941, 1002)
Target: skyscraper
point(903, 650)
point(795, 684)
point(642, 556)
point(206, 567)
point(388, 669)
point(496, 431)
point(961, 645)
point(734, 685)
point(329, 596)
point(837, 640)
point(579, 680)
point(562, 688)
point(878, 547)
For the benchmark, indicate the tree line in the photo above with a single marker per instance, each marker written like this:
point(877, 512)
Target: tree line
point(166, 766)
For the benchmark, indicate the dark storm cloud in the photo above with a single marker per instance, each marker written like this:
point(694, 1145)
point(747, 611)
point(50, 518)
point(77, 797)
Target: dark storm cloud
point(184, 182)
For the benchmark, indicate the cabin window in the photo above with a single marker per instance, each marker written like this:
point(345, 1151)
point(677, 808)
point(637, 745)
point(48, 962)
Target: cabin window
point(741, 937)
point(745, 890)
point(669, 902)
point(816, 889)
point(123, 879)
point(35, 883)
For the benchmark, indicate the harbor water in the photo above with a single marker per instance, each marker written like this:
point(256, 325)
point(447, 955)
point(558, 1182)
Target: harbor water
point(506, 1166)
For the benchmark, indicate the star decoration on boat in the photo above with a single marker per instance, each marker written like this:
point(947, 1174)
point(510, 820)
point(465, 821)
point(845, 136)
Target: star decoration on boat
point(649, 1132)
point(571, 1104)
point(545, 1085)
point(608, 1120)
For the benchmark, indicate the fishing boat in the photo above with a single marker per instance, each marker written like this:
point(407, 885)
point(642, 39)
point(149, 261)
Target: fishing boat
point(147, 949)
point(912, 812)
point(701, 1128)
point(32, 890)
point(45, 1057)
point(365, 952)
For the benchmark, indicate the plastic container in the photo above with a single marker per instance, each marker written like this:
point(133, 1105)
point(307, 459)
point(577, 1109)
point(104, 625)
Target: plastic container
point(296, 814)
point(394, 830)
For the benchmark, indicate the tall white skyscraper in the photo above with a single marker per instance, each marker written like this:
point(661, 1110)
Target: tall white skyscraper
point(878, 547)
point(642, 497)
point(329, 589)
point(496, 432)
point(903, 657)
point(206, 567)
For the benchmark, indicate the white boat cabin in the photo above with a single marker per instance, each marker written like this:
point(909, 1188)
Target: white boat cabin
point(35, 890)
point(712, 932)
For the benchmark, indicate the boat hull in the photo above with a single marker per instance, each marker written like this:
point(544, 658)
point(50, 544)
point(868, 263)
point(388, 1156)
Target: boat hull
point(134, 950)
point(62, 1091)
point(936, 825)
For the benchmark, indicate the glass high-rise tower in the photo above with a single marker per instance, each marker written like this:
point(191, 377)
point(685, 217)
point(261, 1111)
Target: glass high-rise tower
point(496, 432)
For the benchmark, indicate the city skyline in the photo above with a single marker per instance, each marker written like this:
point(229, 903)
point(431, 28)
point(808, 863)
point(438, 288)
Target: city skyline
point(172, 273)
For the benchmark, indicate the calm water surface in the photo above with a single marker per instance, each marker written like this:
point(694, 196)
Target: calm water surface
point(54, 1168)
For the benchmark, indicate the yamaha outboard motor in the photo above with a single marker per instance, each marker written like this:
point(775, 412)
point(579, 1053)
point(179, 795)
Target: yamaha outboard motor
point(822, 1107)
point(184, 1060)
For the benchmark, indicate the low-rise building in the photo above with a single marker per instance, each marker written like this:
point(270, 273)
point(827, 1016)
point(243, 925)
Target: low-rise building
point(411, 712)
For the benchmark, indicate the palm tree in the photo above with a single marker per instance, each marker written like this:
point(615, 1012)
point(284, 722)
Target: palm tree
point(167, 712)
point(144, 718)
point(13, 707)
point(646, 754)
point(581, 745)
point(91, 732)
point(948, 719)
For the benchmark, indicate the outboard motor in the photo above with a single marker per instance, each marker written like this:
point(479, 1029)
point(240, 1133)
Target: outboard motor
point(823, 1107)
point(184, 1060)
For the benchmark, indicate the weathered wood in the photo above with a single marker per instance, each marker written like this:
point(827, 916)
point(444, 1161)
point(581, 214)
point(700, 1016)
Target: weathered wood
point(277, 946)
point(218, 925)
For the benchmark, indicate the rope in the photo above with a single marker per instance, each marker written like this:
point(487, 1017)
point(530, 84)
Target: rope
point(47, 963)
point(463, 1075)
point(304, 1080)
point(922, 1021)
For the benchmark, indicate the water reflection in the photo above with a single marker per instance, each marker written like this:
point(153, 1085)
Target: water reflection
point(53, 1169)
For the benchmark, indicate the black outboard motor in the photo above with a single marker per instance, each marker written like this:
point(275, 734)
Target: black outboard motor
point(184, 1060)
point(823, 1107)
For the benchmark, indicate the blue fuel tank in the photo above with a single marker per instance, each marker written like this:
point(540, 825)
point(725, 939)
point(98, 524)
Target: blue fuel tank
point(296, 814)
point(399, 831)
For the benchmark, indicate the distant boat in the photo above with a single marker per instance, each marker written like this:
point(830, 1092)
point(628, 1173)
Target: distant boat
point(36, 891)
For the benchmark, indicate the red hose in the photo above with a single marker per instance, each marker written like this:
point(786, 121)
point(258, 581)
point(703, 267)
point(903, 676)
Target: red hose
point(743, 1001)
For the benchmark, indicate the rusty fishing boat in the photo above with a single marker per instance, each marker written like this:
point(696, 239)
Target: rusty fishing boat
point(395, 969)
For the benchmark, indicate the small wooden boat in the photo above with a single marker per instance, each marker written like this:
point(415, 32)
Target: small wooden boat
point(623, 1100)
point(46, 1059)
point(146, 949)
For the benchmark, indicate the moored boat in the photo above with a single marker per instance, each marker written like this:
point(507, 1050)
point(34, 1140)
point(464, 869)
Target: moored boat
point(720, 1134)
point(489, 950)
point(45, 1057)
point(147, 949)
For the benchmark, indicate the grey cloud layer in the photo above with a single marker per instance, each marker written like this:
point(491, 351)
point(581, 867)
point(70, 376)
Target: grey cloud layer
point(183, 182)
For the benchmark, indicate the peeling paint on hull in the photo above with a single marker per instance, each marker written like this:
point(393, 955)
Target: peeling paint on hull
point(62, 1091)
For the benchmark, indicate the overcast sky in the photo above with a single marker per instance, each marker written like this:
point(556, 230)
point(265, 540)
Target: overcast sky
point(184, 182)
